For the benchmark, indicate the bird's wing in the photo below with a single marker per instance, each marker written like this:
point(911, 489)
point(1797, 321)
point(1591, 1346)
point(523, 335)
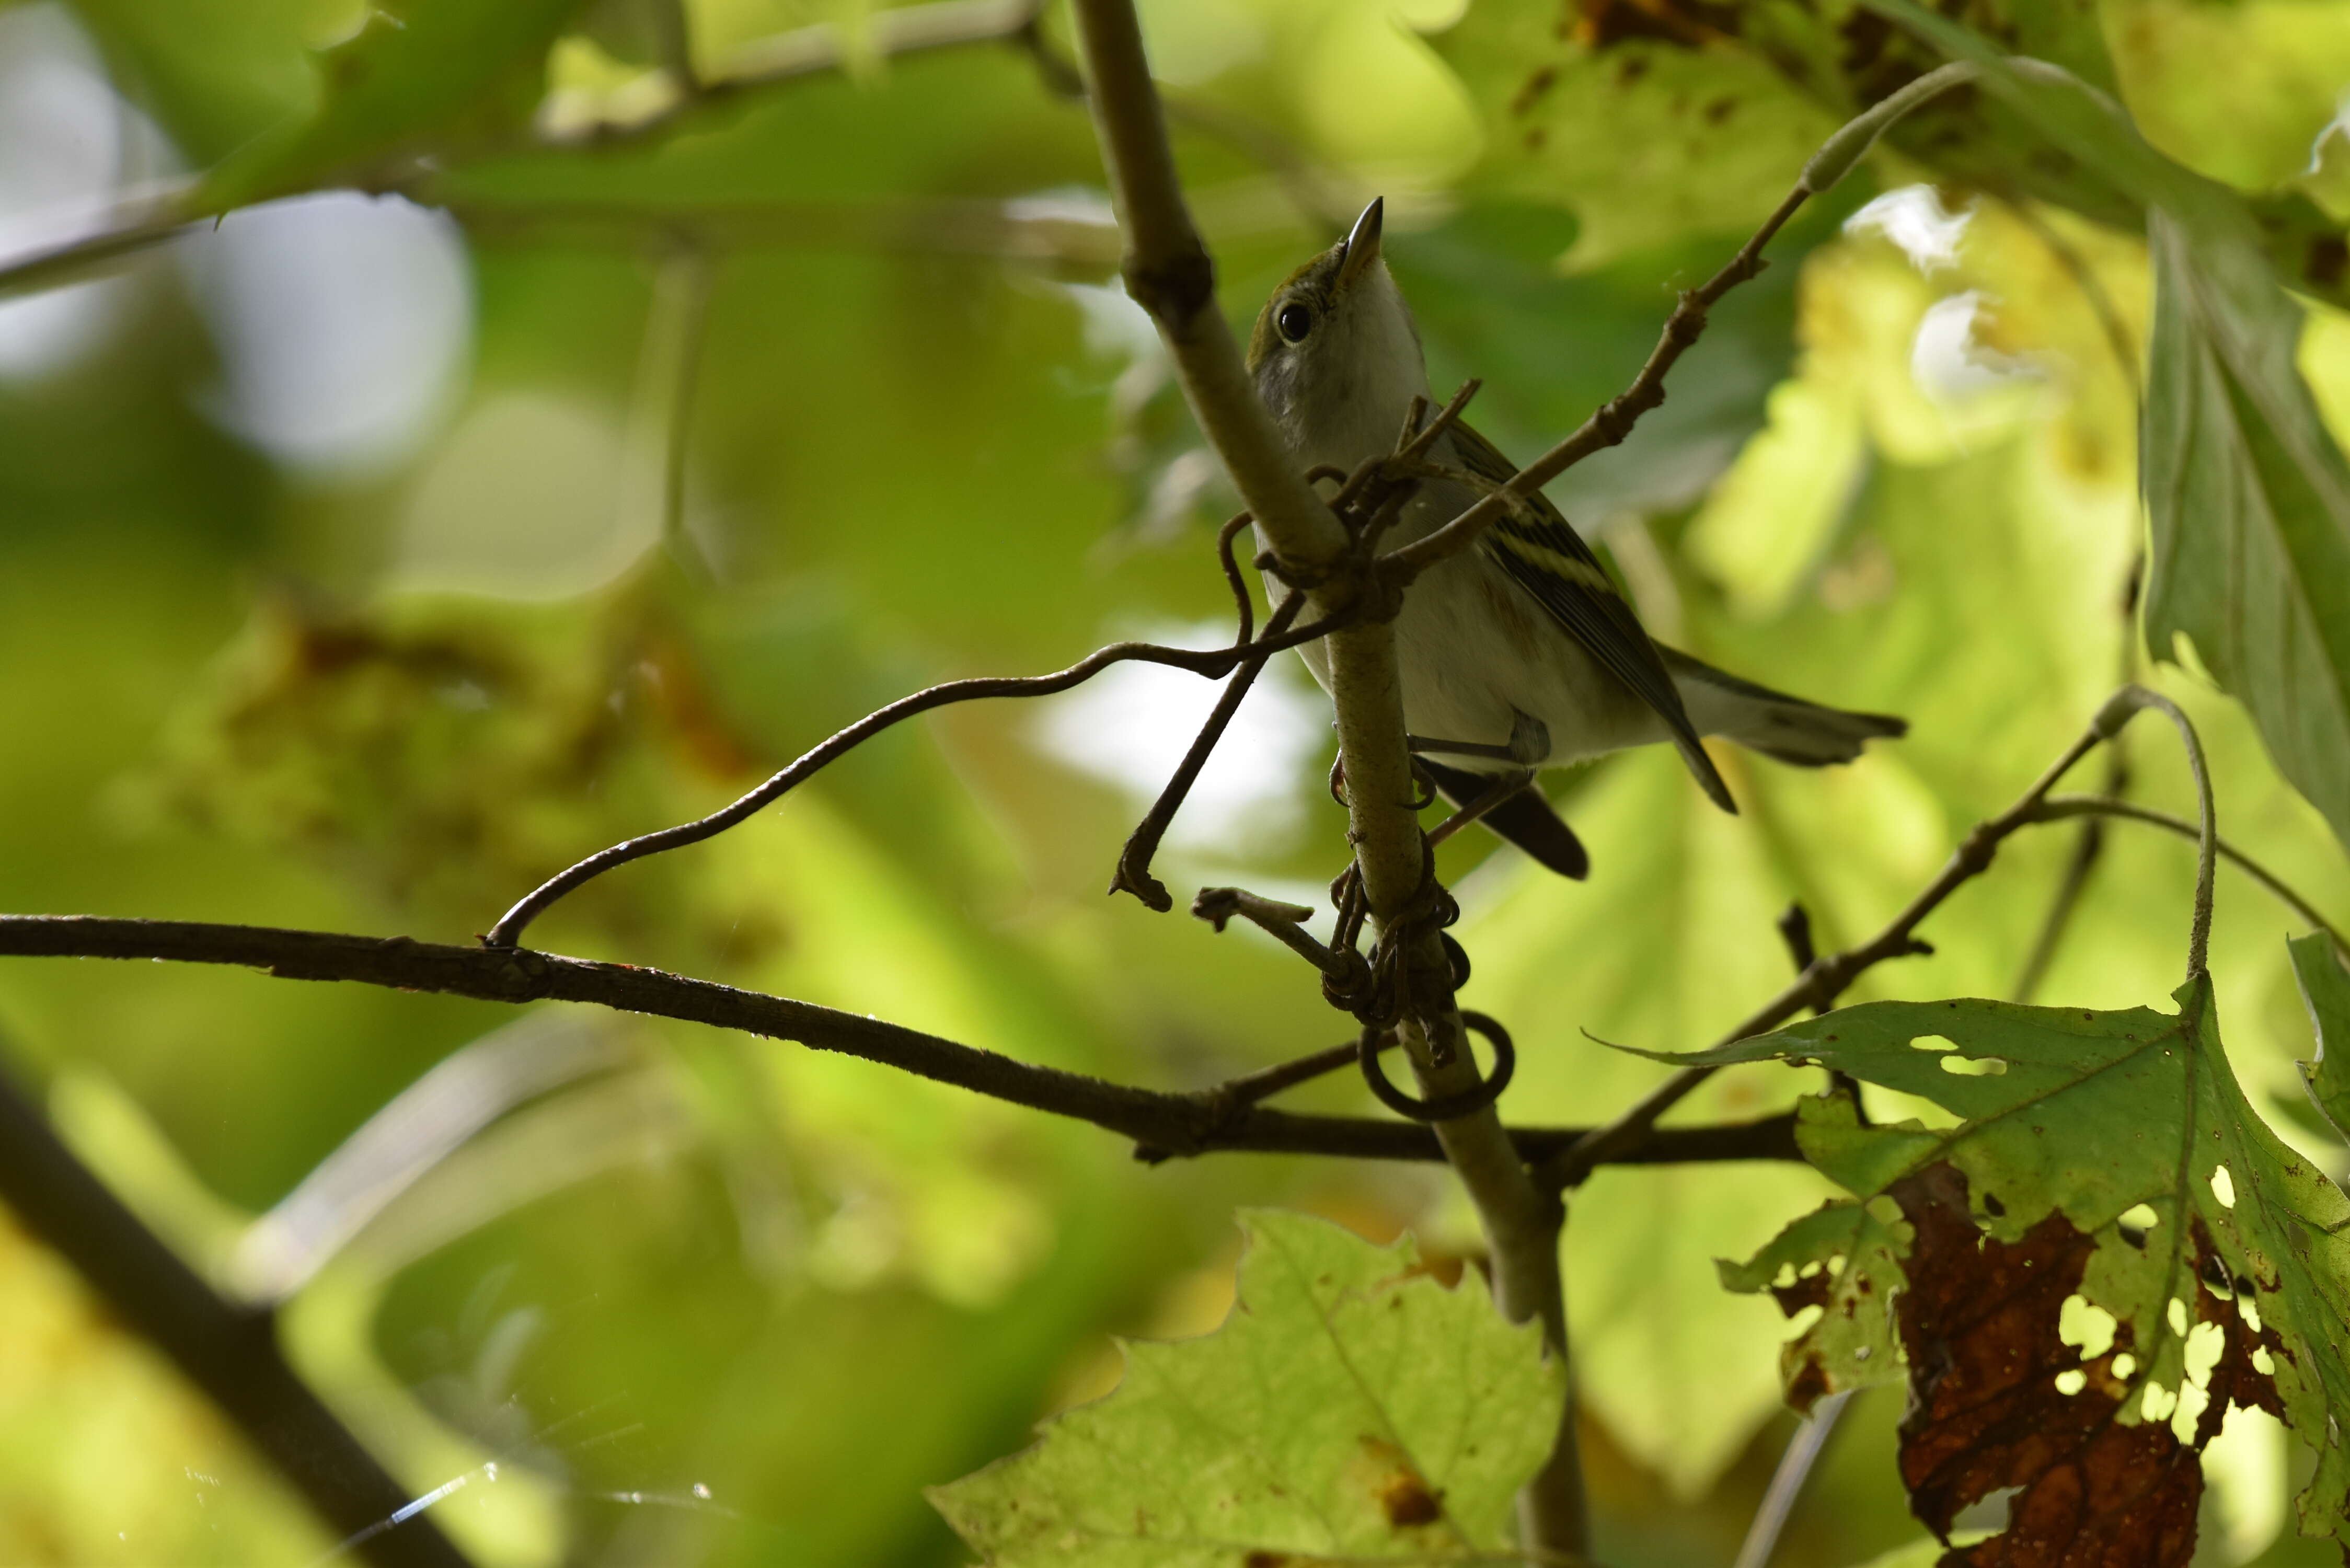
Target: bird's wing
point(1544, 557)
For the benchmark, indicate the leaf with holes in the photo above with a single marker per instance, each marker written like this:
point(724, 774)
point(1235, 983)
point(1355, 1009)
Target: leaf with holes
point(1844, 1259)
point(1350, 1408)
point(2111, 1157)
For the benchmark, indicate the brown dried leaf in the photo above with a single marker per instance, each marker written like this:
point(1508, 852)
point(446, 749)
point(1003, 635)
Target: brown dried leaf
point(1981, 1322)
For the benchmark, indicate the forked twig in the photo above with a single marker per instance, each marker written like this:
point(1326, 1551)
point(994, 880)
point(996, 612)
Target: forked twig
point(1827, 977)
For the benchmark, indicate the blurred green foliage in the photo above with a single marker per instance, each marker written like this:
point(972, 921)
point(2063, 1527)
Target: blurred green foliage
point(734, 1302)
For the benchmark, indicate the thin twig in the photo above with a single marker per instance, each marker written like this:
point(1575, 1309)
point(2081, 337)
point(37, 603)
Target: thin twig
point(1133, 874)
point(1165, 1124)
point(1211, 662)
point(2057, 807)
point(1505, 786)
point(229, 1351)
point(140, 222)
point(1284, 923)
point(1262, 1085)
point(1795, 929)
point(1613, 421)
point(1824, 980)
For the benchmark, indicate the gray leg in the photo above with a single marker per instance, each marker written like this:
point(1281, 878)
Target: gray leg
point(1529, 744)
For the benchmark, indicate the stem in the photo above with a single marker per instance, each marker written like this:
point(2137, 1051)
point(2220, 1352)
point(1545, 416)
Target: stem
point(2120, 710)
point(1796, 1464)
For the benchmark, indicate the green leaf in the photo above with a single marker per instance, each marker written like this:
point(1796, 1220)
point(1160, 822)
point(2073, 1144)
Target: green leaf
point(2250, 503)
point(416, 72)
point(214, 74)
point(2074, 145)
point(1648, 140)
point(2325, 991)
point(2248, 494)
point(2089, 1115)
point(1350, 1408)
point(1845, 1260)
point(1654, 124)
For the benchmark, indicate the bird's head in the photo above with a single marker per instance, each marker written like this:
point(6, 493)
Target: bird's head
point(1336, 356)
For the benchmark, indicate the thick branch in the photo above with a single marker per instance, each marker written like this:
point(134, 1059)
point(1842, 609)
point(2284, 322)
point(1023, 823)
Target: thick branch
point(228, 1351)
point(1164, 1124)
point(1169, 272)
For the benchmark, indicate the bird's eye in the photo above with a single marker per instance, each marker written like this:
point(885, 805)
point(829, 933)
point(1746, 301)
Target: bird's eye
point(1295, 321)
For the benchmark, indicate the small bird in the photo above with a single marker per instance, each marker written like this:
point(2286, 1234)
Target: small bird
point(1518, 653)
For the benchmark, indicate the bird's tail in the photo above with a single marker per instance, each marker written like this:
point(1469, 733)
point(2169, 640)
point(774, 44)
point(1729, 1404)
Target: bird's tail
point(1772, 722)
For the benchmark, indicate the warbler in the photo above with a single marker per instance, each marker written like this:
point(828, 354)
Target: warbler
point(1519, 652)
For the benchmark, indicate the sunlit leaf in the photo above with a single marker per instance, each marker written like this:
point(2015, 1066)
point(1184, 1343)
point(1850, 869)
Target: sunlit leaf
point(2111, 1156)
point(1641, 123)
point(1845, 1261)
point(1657, 122)
point(1350, 1408)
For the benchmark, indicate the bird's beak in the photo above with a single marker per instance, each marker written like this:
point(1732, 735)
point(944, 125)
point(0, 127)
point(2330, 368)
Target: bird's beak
point(1362, 244)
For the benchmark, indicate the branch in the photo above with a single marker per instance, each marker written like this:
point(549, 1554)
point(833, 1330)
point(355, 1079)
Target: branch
point(228, 1351)
point(1169, 273)
point(1164, 1125)
point(140, 222)
point(1827, 979)
point(144, 221)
